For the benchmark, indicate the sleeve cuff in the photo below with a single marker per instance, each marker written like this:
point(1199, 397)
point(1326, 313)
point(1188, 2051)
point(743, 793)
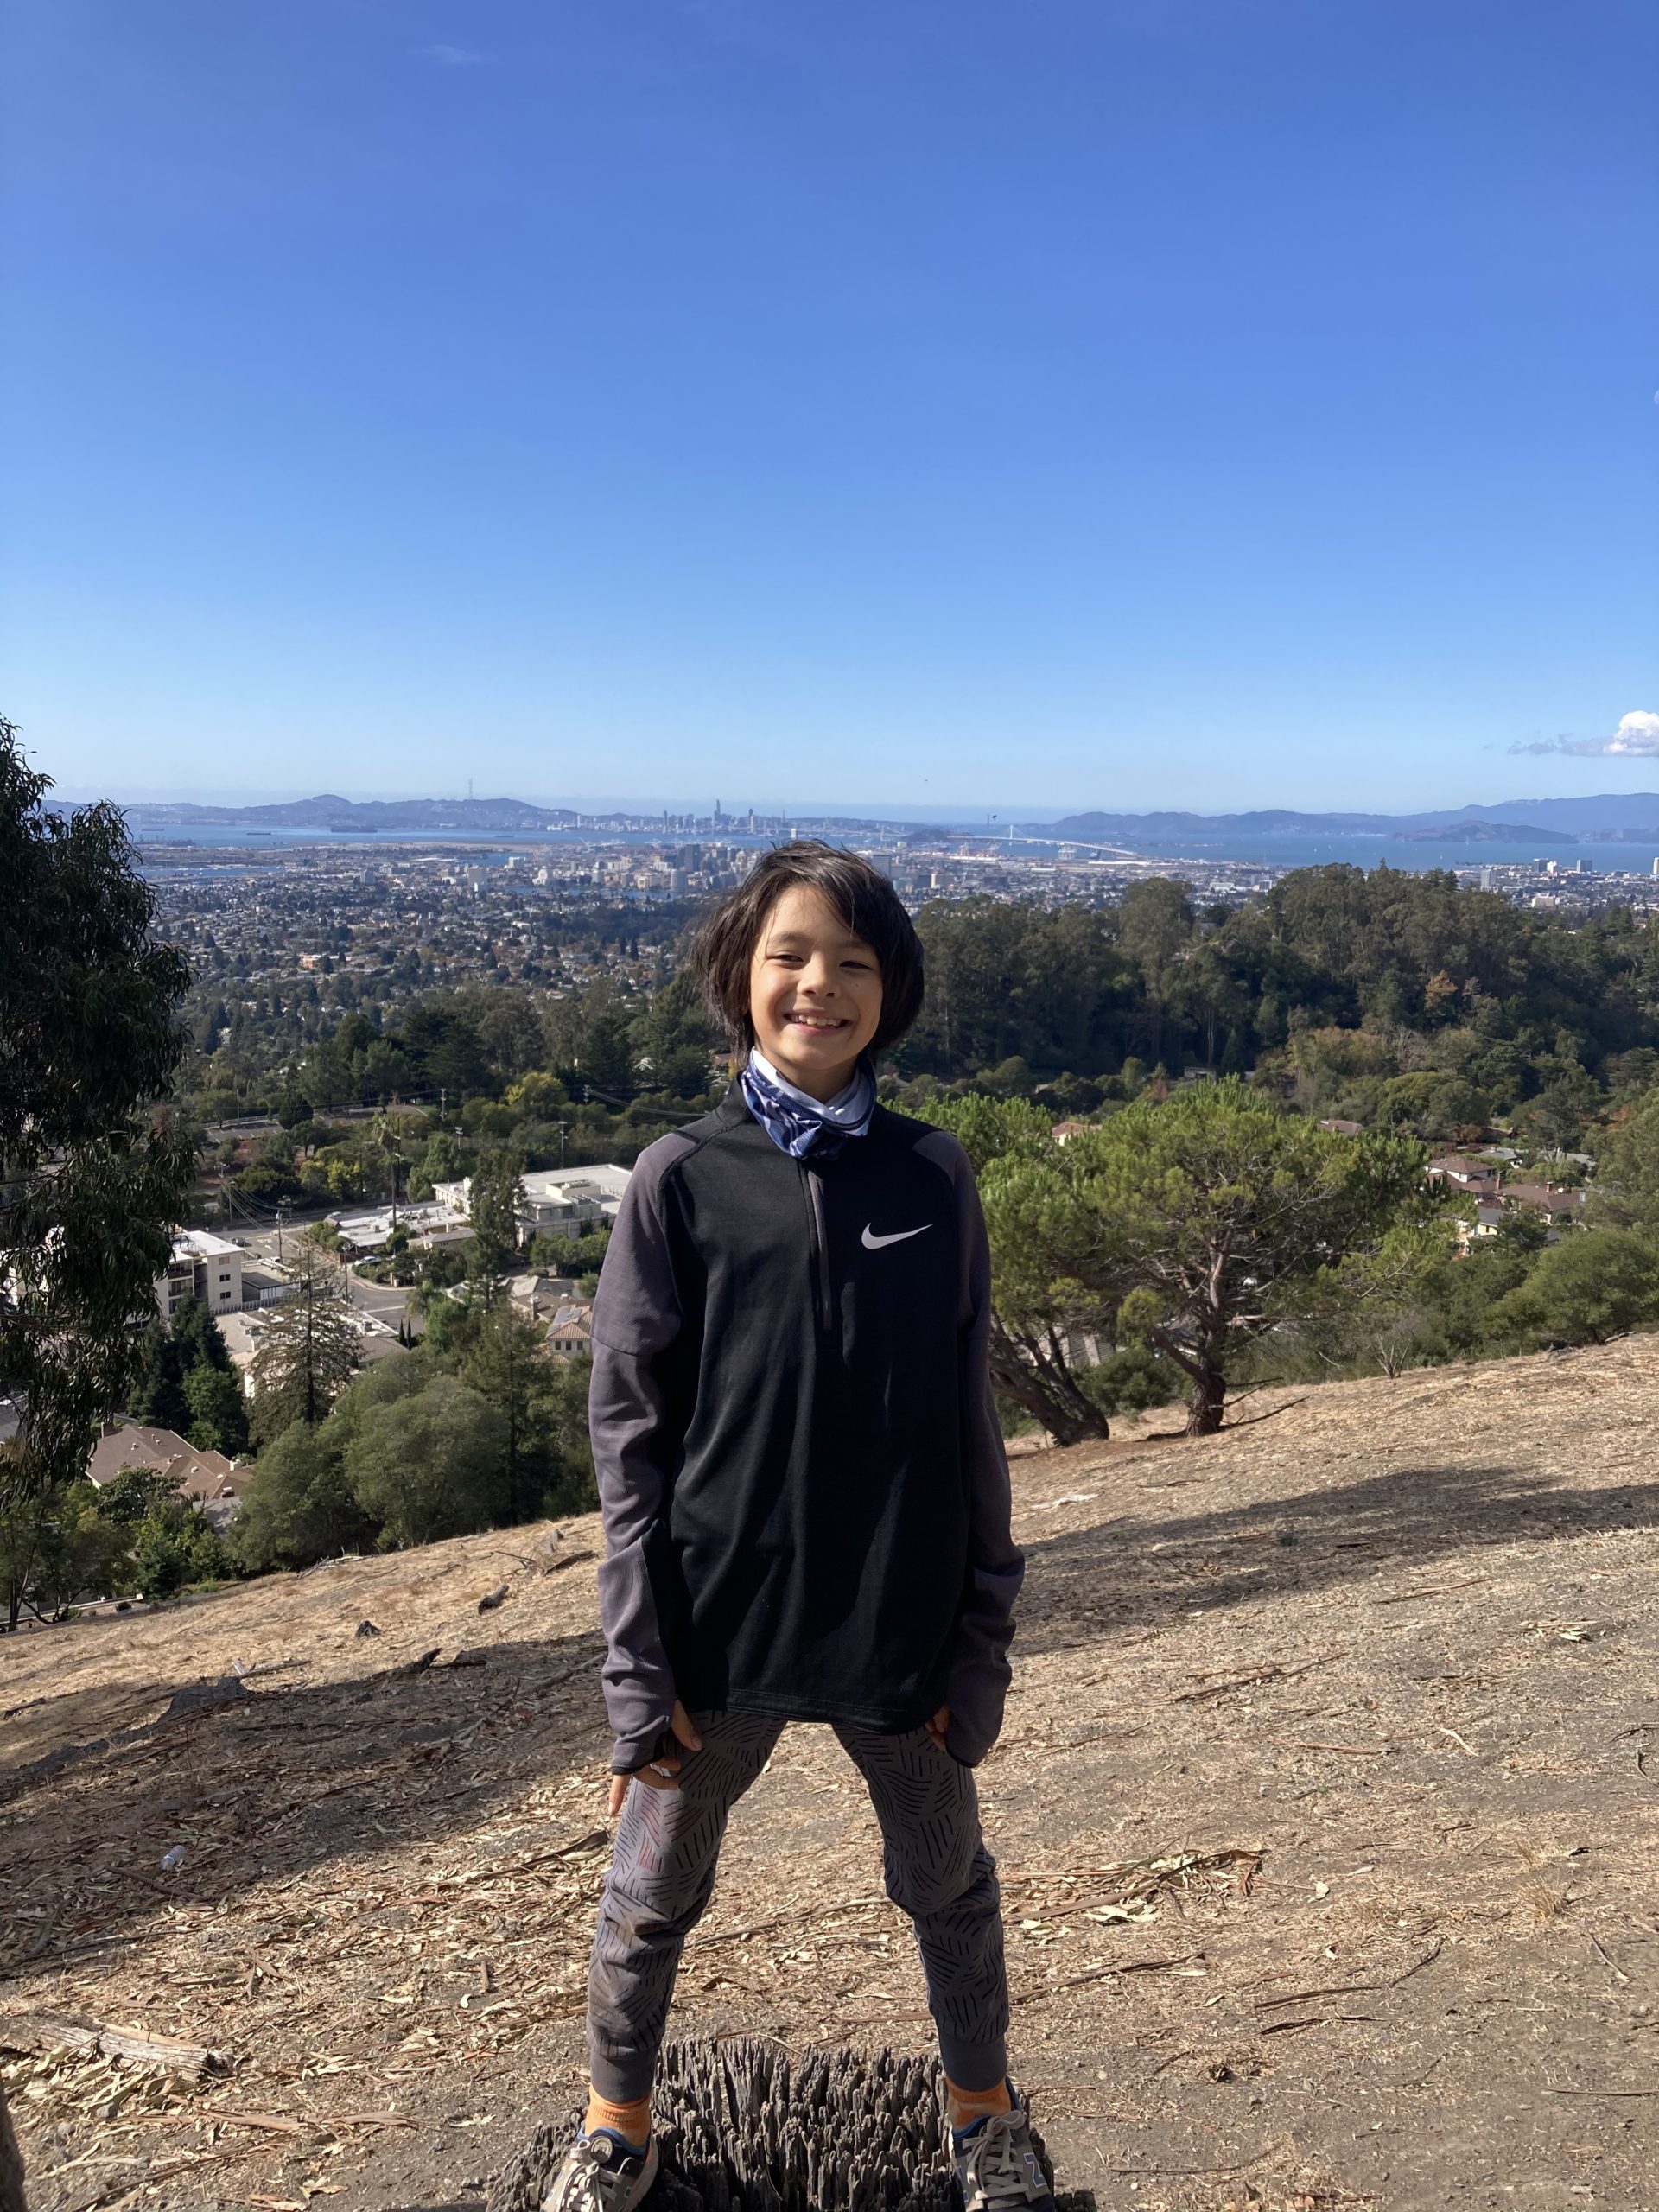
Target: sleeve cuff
point(631, 1753)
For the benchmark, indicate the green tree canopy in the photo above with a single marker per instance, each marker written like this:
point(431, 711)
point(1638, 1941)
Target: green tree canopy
point(1627, 1171)
point(1193, 1225)
point(56, 1544)
point(298, 1506)
point(156, 1389)
point(1049, 1278)
point(430, 1465)
point(92, 1175)
point(1215, 1207)
point(218, 1407)
point(502, 1354)
point(1585, 1289)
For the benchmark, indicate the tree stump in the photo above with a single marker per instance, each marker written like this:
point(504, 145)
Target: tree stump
point(742, 2129)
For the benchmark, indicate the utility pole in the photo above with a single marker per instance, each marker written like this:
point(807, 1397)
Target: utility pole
point(562, 1126)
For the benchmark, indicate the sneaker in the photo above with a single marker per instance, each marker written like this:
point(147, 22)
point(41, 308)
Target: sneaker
point(997, 2165)
point(601, 2173)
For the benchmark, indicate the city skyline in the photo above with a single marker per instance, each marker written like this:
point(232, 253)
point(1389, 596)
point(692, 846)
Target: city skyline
point(967, 815)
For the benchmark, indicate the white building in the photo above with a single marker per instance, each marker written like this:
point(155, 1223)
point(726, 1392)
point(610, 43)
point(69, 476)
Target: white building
point(559, 1201)
point(203, 1267)
point(425, 1225)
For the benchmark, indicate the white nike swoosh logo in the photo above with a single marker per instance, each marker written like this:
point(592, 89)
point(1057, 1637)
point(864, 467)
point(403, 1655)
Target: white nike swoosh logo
point(873, 1243)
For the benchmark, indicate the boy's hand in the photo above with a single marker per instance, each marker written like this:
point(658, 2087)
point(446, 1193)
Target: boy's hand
point(939, 1723)
point(661, 1773)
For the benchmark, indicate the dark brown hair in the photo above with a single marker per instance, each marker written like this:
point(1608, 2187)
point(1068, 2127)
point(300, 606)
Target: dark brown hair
point(723, 947)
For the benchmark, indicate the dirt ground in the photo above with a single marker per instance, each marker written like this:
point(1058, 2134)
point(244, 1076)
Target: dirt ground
point(1324, 1814)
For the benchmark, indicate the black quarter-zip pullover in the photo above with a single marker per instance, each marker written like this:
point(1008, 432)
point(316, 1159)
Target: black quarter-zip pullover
point(805, 1490)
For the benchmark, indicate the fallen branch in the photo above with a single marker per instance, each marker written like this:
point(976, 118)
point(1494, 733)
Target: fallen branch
point(1438, 1590)
point(1242, 2169)
point(1306, 1996)
point(1099, 1973)
point(1601, 2092)
point(282, 2123)
point(1254, 1421)
point(1249, 1681)
point(1428, 1959)
point(46, 2032)
point(1348, 1750)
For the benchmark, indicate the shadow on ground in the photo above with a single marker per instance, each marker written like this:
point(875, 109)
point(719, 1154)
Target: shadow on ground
point(272, 1786)
point(1091, 1583)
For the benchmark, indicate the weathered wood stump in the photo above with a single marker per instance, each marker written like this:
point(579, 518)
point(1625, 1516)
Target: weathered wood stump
point(741, 2129)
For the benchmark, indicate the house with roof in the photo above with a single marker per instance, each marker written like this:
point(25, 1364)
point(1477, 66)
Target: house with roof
point(570, 1333)
point(1464, 1172)
point(1557, 1205)
point(208, 1478)
point(538, 1295)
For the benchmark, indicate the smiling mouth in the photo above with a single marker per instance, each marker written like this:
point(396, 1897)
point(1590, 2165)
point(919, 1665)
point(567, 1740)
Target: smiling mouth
point(824, 1025)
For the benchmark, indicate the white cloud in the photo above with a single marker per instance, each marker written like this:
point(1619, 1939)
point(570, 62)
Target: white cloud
point(1637, 738)
point(1637, 732)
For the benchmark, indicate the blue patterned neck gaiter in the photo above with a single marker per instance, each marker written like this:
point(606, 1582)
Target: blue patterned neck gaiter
point(799, 1125)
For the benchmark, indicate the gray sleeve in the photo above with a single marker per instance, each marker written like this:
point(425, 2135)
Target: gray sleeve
point(636, 1319)
point(979, 1673)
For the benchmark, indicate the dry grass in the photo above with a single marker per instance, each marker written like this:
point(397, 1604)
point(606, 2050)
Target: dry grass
point(1323, 1809)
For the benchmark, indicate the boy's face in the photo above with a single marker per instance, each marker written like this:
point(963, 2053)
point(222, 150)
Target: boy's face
point(814, 992)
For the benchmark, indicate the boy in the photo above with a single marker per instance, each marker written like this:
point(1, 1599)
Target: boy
point(805, 1500)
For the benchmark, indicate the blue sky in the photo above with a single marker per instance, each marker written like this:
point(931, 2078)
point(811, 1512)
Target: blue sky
point(1028, 403)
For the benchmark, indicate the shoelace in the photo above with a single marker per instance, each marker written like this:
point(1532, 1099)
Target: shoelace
point(1001, 2169)
point(589, 2178)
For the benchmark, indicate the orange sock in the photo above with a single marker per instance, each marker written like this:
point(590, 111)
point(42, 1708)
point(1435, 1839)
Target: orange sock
point(632, 2122)
point(966, 2106)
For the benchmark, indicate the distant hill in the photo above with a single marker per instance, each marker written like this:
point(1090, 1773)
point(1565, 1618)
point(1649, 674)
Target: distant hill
point(328, 811)
point(1487, 833)
point(1614, 814)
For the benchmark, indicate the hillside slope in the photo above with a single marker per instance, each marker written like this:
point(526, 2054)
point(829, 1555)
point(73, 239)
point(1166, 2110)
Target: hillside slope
point(1377, 1665)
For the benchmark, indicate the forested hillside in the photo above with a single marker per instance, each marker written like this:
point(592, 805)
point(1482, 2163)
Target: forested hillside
point(1391, 997)
point(1384, 996)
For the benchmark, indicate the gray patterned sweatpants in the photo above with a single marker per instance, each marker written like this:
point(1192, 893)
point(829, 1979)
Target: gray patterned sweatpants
point(934, 1860)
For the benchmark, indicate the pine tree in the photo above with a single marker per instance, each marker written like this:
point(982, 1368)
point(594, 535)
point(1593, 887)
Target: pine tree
point(494, 1201)
point(307, 1353)
point(155, 1395)
point(503, 1356)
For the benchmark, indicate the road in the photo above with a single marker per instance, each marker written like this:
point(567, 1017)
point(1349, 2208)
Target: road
point(274, 1246)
